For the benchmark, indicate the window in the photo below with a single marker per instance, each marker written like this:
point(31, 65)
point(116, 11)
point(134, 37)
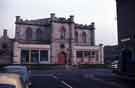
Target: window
point(39, 34)
point(79, 54)
point(29, 33)
point(34, 56)
point(63, 31)
point(84, 36)
point(76, 36)
point(44, 55)
point(24, 56)
point(86, 53)
point(92, 54)
point(62, 46)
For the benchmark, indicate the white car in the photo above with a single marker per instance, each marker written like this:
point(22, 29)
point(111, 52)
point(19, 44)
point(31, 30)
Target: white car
point(21, 70)
point(114, 66)
point(9, 80)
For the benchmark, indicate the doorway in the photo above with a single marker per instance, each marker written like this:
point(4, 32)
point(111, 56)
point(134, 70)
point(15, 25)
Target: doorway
point(61, 58)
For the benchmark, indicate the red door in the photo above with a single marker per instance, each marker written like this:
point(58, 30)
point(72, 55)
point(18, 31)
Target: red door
point(61, 59)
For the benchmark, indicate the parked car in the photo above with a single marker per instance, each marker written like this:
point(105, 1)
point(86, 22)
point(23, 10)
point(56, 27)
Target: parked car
point(10, 80)
point(21, 70)
point(114, 66)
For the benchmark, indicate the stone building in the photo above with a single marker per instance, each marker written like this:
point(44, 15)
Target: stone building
point(6, 48)
point(55, 40)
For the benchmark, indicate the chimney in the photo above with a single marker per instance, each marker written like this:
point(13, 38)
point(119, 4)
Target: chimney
point(5, 33)
point(93, 24)
point(72, 18)
point(17, 18)
point(52, 16)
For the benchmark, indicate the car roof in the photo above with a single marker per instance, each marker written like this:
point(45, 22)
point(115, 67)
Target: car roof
point(10, 78)
point(15, 67)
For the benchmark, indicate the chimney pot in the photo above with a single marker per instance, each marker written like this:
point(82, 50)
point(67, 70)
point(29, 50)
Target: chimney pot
point(5, 32)
point(72, 18)
point(17, 18)
point(52, 15)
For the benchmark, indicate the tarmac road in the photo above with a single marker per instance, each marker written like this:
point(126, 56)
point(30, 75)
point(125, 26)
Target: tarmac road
point(84, 78)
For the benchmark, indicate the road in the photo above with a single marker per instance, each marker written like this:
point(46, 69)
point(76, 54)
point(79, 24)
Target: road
point(84, 78)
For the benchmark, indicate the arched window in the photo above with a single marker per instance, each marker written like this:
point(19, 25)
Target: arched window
point(63, 32)
point(84, 36)
point(29, 33)
point(76, 36)
point(39, 34)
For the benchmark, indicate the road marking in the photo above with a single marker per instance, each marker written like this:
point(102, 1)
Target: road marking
point(55, 77)
point(66, 84)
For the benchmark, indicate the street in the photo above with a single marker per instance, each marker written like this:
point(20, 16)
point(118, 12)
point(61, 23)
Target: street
point(79, 78)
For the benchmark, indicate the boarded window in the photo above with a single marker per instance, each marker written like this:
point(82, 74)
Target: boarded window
point(84, 36)
point(29, 33)
point(39, 34)
point(63, 32)
point(76, 36)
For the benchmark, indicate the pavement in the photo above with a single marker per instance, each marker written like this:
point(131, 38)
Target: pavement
point(78, 78)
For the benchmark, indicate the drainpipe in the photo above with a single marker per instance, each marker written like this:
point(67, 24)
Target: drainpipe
point(70, 39)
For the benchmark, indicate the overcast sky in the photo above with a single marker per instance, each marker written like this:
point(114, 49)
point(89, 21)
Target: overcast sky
point(102, 12)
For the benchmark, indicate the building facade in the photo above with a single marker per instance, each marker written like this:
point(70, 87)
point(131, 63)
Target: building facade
point(126, 24)
point(55, 40)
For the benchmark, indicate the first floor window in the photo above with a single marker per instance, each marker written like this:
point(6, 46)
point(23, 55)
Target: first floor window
point(62, 46)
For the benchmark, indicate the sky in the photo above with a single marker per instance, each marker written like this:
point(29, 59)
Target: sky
point(102, 12)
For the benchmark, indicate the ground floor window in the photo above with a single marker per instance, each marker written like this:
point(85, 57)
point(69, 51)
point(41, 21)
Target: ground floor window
point(43, 55)
point(79, 54)
point(34, 56)
point(24, 56)
point(86, 56)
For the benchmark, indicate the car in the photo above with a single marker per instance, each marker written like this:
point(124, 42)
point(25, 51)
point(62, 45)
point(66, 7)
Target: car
point(21, 70)
point(10, 80)
point(114, 66)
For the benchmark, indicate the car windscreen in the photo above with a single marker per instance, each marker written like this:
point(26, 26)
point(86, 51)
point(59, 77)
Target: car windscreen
point(7, 86)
